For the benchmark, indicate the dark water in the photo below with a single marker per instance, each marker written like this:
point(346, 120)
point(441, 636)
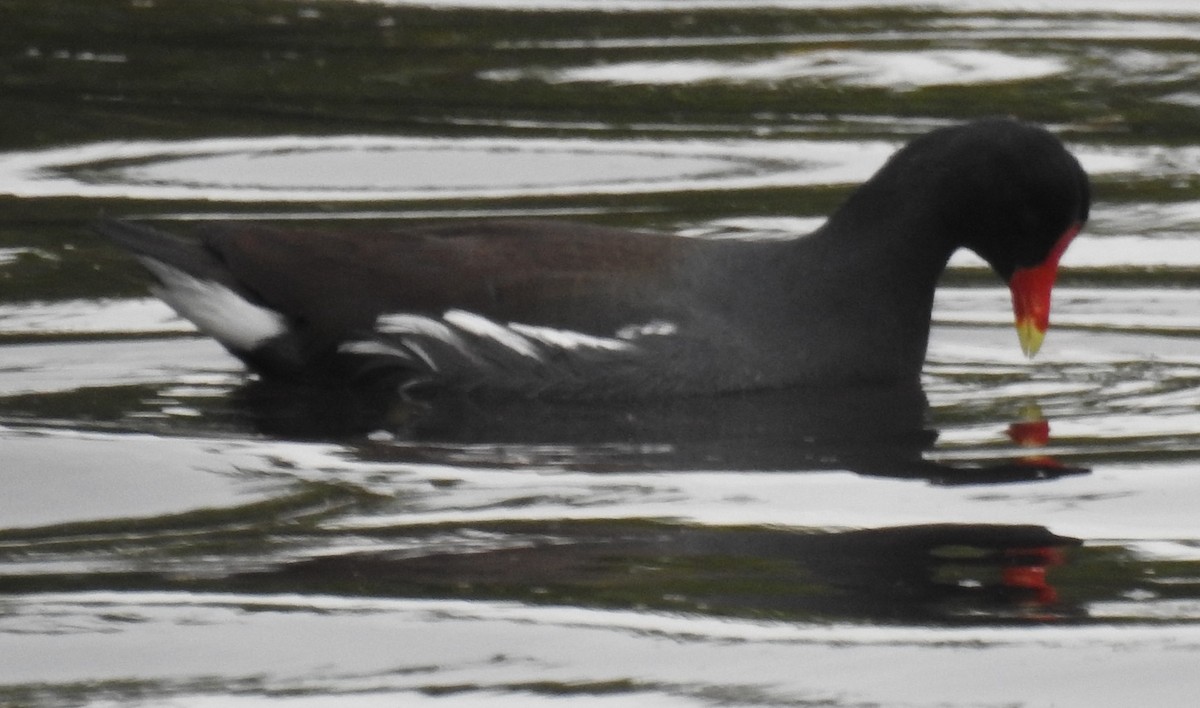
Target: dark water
point(173, 532)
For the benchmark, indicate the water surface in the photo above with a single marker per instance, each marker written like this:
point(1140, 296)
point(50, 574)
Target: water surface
point(174, 532)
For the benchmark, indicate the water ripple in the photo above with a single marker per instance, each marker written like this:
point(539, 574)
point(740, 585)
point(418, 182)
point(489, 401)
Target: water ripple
point(368, 168)
point(899, 70)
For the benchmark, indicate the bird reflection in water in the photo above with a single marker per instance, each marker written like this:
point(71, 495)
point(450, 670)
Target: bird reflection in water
point(872, 431)
point(927, 573)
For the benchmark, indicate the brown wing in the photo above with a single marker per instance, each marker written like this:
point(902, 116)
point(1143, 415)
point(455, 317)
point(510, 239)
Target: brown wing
point(587, 278)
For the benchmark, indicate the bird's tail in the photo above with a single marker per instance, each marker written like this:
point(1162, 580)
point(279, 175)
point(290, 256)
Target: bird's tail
point(194, 281)
point(152, 245)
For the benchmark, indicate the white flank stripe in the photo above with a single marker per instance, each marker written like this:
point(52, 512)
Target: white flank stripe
point(215, 309)
point(568, 339)
point(483, 327)
point(424, 355)
point(408, 323)
point(405, 323)
point(523, 339)
point(369, 348)
point(654, 328)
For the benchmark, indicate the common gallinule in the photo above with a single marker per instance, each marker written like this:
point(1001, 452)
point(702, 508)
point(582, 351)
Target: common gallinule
point(568, 310)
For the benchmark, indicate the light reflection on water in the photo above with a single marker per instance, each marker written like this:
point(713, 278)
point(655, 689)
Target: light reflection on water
point(498, 654)
point(357, 168)
point(1181, 8)
point(892, 69)
point(366, 168)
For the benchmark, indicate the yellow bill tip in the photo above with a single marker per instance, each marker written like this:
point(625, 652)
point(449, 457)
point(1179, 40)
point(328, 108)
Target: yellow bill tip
point(1030, 335)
